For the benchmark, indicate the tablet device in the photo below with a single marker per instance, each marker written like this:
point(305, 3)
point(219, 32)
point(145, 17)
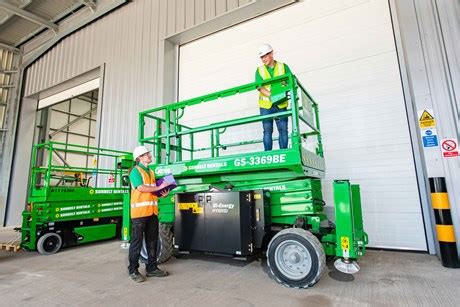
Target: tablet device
point(278, 93)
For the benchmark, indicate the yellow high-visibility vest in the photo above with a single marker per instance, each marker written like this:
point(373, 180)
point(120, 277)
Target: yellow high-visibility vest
point(144, 204)
point(264, 101)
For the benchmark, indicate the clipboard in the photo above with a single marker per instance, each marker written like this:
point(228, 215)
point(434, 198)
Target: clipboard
point(169, 178)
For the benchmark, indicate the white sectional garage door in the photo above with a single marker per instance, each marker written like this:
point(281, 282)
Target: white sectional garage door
point(344, 53)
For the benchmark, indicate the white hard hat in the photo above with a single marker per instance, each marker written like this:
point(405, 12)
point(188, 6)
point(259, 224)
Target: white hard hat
point(139, 151)
point(264, 49)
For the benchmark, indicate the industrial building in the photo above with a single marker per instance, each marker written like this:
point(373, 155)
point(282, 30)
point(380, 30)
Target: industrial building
point(385, 75)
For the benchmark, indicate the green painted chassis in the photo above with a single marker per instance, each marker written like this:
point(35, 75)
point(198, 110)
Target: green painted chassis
point(49, 205)
point(290, 177)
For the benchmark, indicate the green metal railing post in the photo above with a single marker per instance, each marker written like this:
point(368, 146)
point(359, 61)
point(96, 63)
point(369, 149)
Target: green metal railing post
point(295, 112)
point(33, 179)
point(157, 141)
point(168, 135)
point(46, 184)
point(141, 129)
point(192, 147)
point(217, 142)
point(212, 143)
point(319, 150)
point(173, 132)
point(181, 113)
point(179, 145)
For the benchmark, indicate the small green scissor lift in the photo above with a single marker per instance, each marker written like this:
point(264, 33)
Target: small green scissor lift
point(72, 203)
point(281, 188)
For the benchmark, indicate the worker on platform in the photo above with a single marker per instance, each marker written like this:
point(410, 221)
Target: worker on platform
point(144, 215)
point(270, 69)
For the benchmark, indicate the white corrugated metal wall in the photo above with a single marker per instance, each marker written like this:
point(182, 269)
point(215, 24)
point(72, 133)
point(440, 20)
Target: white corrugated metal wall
point(128, 43)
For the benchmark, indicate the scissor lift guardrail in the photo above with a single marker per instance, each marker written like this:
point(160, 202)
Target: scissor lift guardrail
point(169, 136)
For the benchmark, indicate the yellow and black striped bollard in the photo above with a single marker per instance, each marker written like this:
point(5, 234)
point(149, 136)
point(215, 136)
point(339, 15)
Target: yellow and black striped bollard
point(444, 227)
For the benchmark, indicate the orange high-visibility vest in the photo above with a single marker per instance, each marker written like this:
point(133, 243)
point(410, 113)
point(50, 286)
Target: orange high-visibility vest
point(144, 204)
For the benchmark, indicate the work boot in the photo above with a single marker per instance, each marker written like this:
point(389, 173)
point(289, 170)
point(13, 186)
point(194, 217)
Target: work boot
point(137, 277)
point(157, 273)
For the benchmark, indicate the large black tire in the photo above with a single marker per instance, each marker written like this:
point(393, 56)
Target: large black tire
point(165, 245)
point(296, 258)
point(50, 243)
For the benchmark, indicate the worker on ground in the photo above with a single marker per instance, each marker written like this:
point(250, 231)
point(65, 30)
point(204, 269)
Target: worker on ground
point(144, 215)
point(270, 69)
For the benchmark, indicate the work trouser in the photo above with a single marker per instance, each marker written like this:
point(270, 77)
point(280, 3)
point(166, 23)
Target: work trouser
point(281, 124)
point(143, 227)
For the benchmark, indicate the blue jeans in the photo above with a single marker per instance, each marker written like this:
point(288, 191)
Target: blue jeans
point(281, 124)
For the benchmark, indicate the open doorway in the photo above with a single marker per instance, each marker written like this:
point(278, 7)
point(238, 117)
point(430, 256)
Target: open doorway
point(69, 122)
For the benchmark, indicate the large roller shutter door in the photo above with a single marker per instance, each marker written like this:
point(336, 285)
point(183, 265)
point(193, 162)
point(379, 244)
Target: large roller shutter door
point(344, 53)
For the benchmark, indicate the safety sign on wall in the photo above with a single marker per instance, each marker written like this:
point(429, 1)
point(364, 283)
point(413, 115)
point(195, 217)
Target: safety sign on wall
point(430, 138)
point(426, 119)
point(449, 148)
point(427, 124)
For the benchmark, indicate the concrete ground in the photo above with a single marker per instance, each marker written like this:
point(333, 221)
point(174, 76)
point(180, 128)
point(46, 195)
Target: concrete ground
point(96, 274)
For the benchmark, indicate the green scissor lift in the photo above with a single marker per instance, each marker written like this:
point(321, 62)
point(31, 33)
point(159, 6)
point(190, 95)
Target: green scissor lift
point(297, 234)
point(72, 198)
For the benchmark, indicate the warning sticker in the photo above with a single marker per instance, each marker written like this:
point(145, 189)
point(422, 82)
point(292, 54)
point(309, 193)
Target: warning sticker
point(196, 209)
point(345, 242)
point(426, 118)
point(449, 148)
